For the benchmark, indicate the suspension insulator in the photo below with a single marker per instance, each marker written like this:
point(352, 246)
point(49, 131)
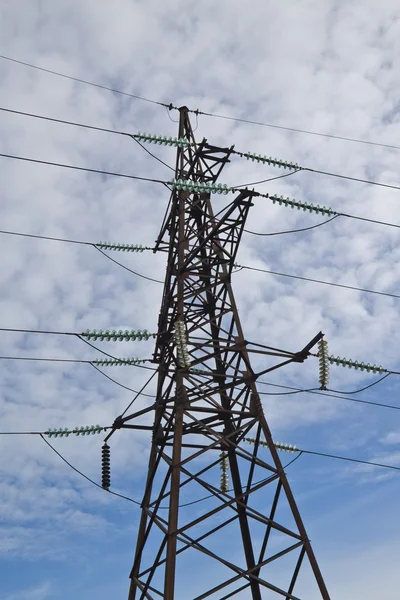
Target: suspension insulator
point(105, 467)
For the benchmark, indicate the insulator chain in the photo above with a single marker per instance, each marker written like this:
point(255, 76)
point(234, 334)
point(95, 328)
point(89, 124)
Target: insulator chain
point(284, 447)
point(118, 362)
point(224, 465)
point(355, 364)
point(316, 208)
point(89, 429)
point(161, 140)
point(180, 340)
point(323, 364)
point(105, 466)
point(118, 336)
point(200, 187)
point(122, 247)
point(274, 162)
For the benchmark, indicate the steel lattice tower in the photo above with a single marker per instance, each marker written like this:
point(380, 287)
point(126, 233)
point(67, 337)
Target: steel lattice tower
point(247, 539)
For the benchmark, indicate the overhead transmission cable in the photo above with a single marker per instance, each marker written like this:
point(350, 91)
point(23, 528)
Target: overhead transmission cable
point(324, 372)
point(320, 281)
point(262, 234)
point(294, 129)
point(134, 362)
point(78, 80)
point(85, 476)
point(211, 188)
point(293, 449)
point(85, 126)
point(136, 248)
point(321, 393)
point(282, 447)
point(144, 334)
point(274, 162)
point(248, 155)
point(290, 449)
point(197, 112)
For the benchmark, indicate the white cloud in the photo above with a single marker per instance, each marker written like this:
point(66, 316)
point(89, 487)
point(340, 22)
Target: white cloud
point(40, 592)
point(392, 437)
point(321, 66)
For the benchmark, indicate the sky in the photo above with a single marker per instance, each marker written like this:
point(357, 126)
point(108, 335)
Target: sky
point(327, 67)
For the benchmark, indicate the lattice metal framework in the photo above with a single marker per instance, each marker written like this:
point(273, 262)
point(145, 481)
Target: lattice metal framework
point(247, 539)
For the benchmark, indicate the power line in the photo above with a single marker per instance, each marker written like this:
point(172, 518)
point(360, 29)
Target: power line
point(241, 154)
point(320, 393)
point(127, 268)
point(152, 155)
point(140, 392)
point(63, 121)
point(295, 449)
point(264, 180)
point(291, 230)
point(309, 279)
point(85, 126)
point(294, 390)
point(93, 244)
point(295, 130)
point(291, 449)
point(104, 336)
point(170, 106)
point(297, 168)
point(98, 171)
point(120, 384)
point(85, 476)
point(46, 237)
point(167, 183)
point(270, 272)
point(311, 452)
point(354, 460)
point(77, 79)
point(367, 386)
point(130, 362)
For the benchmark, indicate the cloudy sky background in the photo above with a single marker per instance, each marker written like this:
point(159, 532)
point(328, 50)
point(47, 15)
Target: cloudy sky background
point(325, 66)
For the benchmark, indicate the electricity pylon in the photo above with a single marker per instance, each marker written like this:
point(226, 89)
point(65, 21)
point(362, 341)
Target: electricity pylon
point(218, 517)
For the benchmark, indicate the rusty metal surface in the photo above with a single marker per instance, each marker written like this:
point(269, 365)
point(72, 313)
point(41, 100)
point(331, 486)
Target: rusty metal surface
point(233, 539)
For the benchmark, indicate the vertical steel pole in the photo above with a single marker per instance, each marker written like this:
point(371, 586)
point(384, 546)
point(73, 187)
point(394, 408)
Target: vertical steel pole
point(170, 565)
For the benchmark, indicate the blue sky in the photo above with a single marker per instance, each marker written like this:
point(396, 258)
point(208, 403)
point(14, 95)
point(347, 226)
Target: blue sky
point(323, 66)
